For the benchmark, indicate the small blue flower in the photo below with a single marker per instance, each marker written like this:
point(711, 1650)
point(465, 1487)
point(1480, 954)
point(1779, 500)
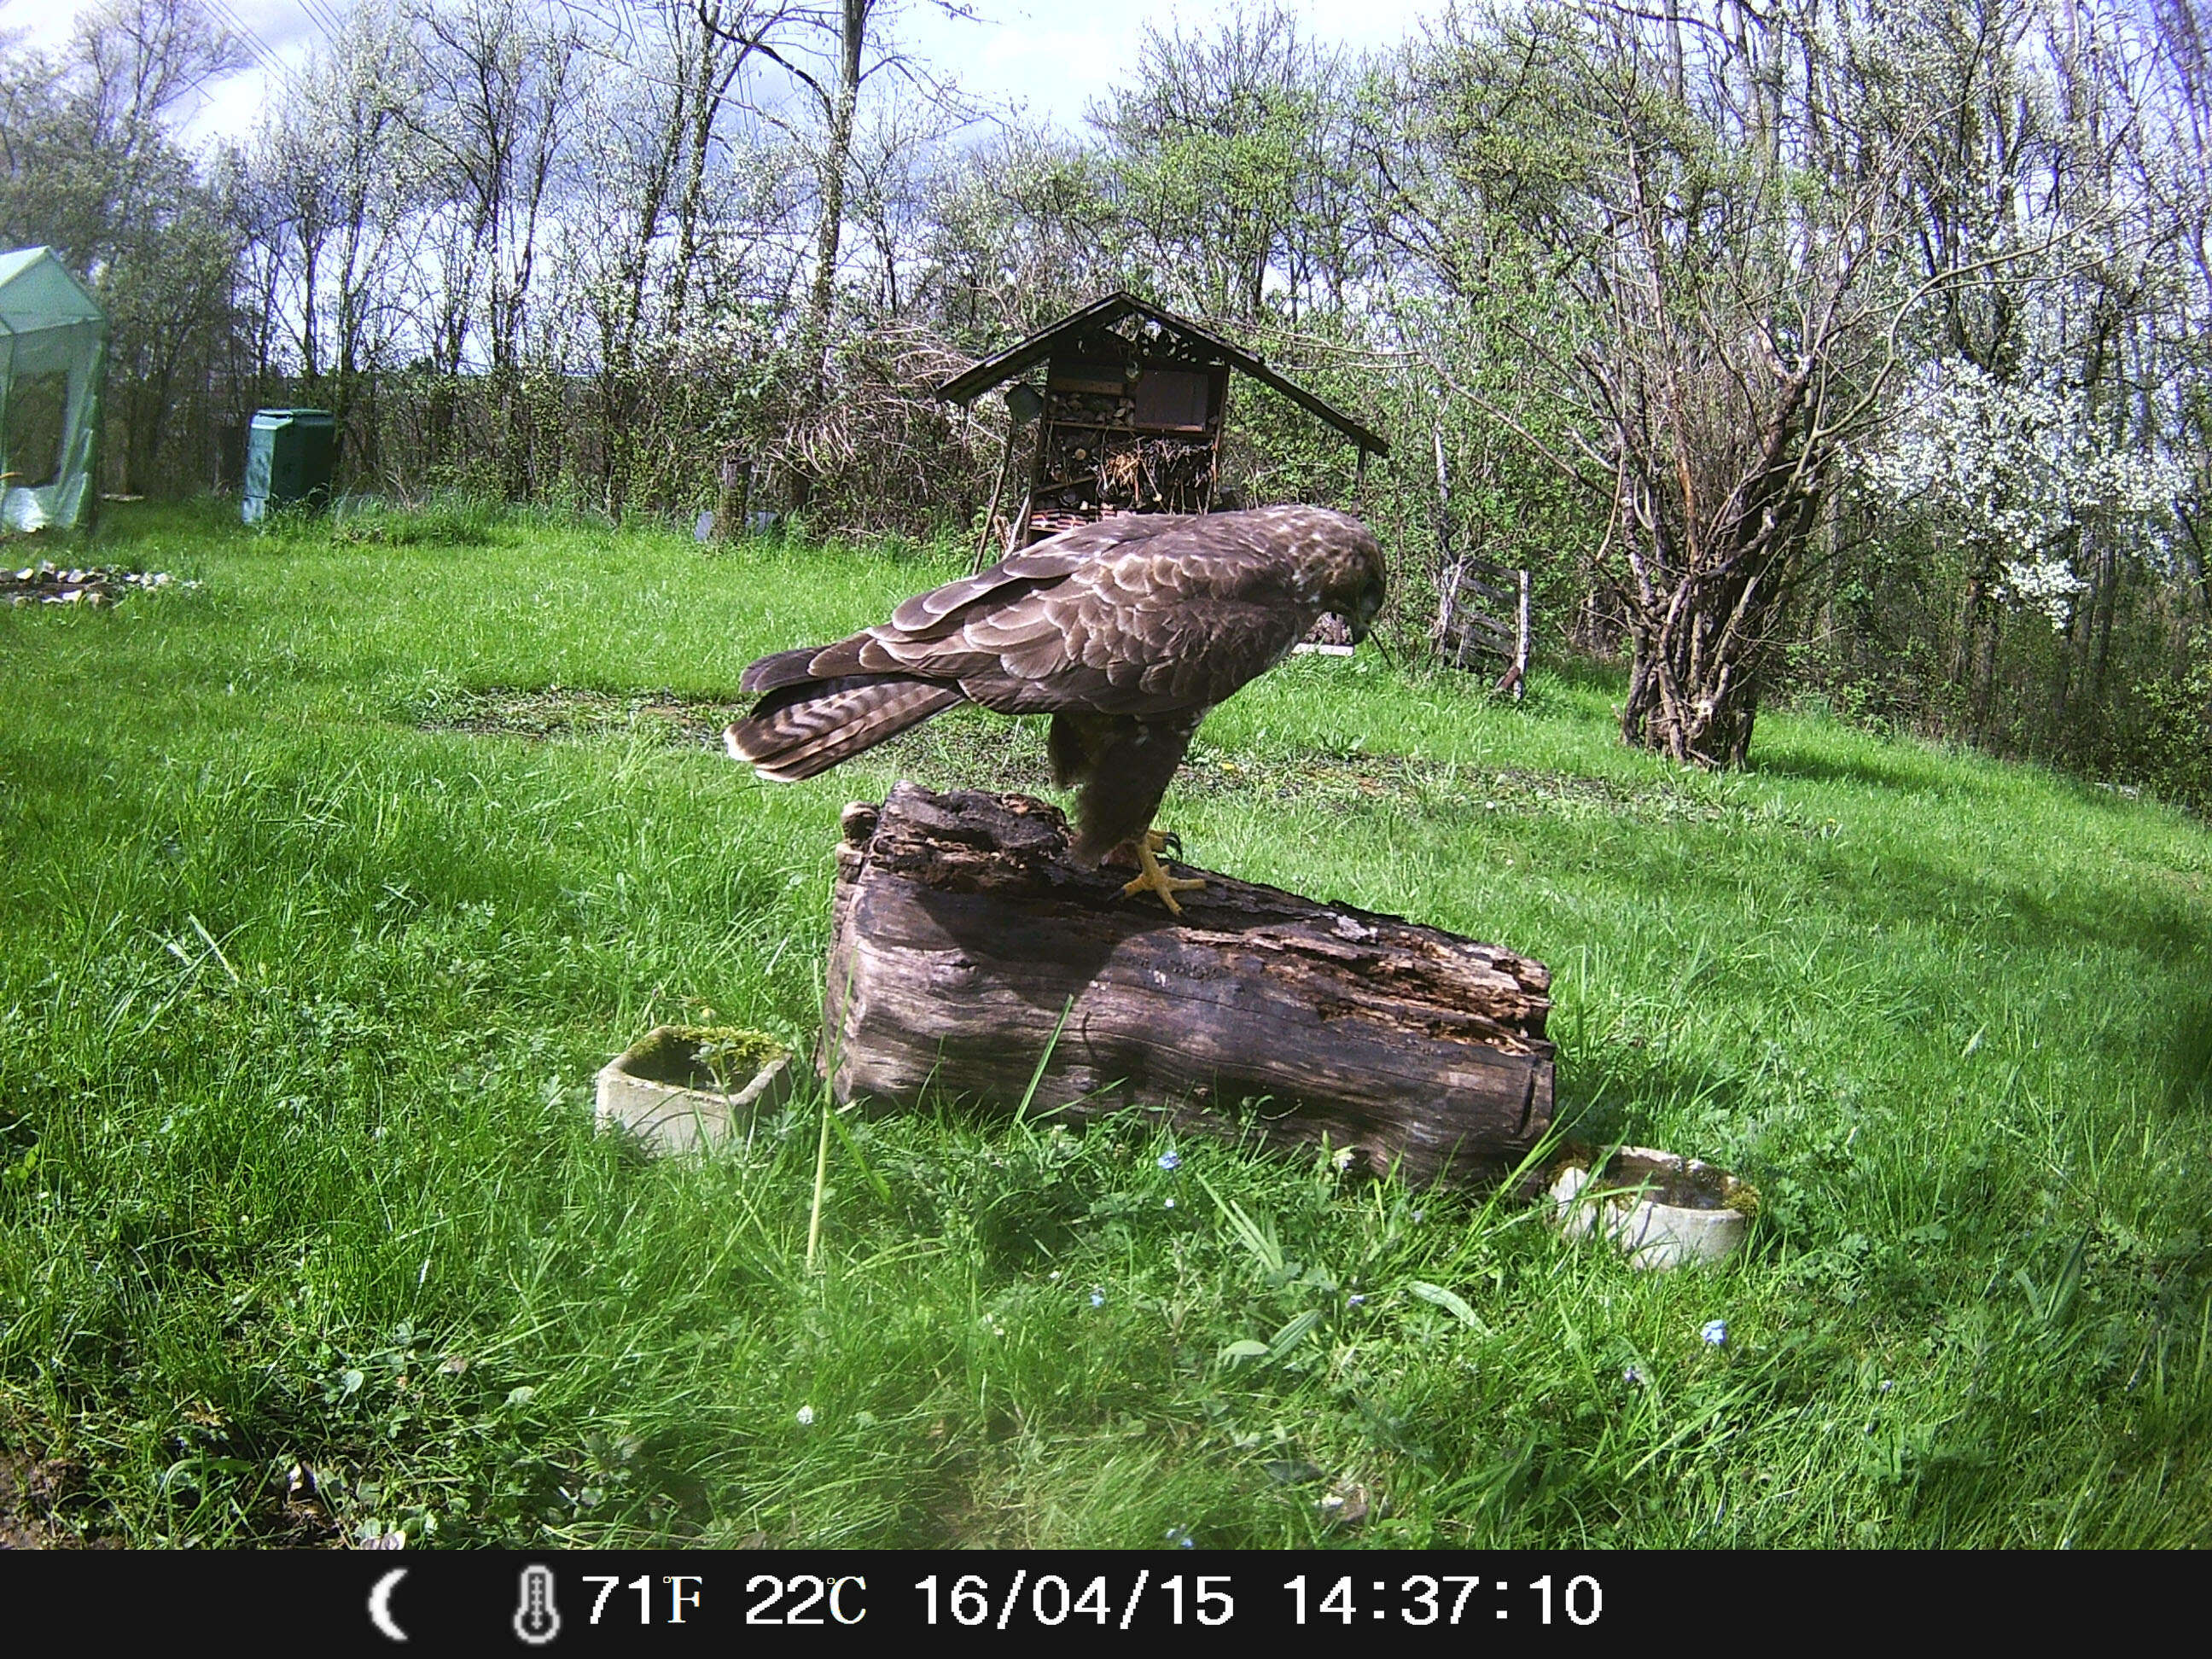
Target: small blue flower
point(1171, 1204)
point(1633, 1376)
point(1171, 1159)
point(1354, 1300)
point(1180, 1537)
point(1097, 1297)
point(1715, 1333)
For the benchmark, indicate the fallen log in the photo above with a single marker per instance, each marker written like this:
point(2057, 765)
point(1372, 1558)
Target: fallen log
point(964, 939)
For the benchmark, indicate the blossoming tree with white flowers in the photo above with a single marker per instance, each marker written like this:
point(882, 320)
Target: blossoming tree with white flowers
point(2013, 474)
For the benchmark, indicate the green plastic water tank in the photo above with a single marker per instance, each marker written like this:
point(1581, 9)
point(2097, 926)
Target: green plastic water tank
point(290, 456)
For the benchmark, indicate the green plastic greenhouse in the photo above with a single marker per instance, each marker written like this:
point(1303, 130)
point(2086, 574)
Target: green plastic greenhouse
point(53, 351)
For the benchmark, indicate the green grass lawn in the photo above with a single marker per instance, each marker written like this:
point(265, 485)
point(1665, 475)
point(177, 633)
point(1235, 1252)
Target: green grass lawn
point(318, 910)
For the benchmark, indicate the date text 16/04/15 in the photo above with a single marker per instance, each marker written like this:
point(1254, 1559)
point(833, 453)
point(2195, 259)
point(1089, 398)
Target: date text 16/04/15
point(1052, 1600)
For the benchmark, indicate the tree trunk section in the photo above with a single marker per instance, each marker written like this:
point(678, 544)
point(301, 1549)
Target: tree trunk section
point(837, 159)
point(1686, 708)
point(963, 939)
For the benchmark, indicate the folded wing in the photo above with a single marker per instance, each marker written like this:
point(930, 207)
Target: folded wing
point(1150, 615)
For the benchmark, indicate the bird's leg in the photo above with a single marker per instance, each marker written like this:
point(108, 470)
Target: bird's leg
point(1153, 878)
point(1125, 855)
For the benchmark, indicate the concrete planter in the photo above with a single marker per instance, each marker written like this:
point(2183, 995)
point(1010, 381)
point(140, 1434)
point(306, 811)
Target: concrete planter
point(1660, 1209)
point(681, 1087)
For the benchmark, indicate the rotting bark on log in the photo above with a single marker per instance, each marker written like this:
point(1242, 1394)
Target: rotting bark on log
point(961, 934)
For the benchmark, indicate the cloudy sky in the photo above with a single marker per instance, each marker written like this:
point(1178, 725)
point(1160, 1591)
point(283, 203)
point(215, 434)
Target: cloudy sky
point(1055, 58)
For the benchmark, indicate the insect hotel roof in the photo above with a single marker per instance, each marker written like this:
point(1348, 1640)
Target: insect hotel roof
point(1133, 404)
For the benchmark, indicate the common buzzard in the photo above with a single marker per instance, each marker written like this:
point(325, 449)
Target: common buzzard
point(1126, 632)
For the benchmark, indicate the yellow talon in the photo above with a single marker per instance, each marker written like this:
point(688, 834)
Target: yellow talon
point(1155, 879)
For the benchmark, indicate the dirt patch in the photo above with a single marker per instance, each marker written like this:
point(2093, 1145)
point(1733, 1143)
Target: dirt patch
point(976, 751)
point(33, 1491)
point(557, 712)
point(1461, 793)
point(971, 749)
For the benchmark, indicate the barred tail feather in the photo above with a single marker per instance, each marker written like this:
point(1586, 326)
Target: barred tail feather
point(781, 669)
point(801, 730)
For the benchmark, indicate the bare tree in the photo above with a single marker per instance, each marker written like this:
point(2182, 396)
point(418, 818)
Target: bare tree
point(1719, 224)
point(1219, 149)
point(338, 179)
point(498, 92)
point(87, 164)
point(824, 50)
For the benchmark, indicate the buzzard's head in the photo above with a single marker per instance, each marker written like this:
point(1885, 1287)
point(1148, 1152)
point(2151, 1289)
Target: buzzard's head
point(1367, 601)
point(1341, 561)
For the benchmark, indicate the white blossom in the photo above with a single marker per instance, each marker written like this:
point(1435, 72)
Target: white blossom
point(2012, 468)
point(2046, 584)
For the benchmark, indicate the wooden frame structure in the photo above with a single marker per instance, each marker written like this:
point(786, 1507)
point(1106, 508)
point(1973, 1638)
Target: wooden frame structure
point(1131, 418)
point(1472, 591)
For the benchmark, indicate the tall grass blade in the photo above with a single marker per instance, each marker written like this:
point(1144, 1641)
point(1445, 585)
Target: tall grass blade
point(1258, 1238)
point(1451, 1302)
point(882, 1188)
point(821, 1184)
point(1022, 1111)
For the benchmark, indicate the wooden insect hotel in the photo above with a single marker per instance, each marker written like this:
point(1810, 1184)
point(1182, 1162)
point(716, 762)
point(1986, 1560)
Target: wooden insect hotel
point(1129, 418)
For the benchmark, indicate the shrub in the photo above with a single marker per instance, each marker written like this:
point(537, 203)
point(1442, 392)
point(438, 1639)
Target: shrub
point(2176, 756)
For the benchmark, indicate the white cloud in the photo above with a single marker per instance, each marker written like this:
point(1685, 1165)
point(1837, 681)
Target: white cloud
point(1015, 53)
point(280, 33)
point(1025, 52)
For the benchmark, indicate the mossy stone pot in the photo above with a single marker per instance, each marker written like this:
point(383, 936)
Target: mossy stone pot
point(1661, 1209)
point(679, 1088)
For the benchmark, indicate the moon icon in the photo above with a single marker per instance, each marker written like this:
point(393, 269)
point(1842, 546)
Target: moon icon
point(379, 1604)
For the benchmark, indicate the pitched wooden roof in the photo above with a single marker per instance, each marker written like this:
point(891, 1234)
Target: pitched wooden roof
point(993, 371)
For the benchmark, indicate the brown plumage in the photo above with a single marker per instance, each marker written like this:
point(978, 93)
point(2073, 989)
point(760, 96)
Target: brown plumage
point(1126, 632)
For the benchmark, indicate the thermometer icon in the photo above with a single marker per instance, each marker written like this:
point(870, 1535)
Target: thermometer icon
point(537, 1620)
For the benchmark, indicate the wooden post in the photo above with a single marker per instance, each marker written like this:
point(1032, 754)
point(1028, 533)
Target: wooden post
point(997, 487)
point(1220, 415)
point(735, 500)
point(1446, 604)
point(963, 940)
point(1521, 641)
point(1447, 567)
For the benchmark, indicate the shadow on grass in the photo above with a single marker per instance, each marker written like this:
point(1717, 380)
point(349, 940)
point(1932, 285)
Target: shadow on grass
point(2189, 1059)
point(1588, 674)
point(1607, 1093)
point(125, 524)
point(1881, 773)
point(2116, 916)
point(1593, 690)
point(1994, 908)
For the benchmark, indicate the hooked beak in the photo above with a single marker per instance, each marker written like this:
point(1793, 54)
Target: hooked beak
point(1364, 610)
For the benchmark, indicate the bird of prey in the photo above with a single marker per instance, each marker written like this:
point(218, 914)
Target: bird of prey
point(1126, 632)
